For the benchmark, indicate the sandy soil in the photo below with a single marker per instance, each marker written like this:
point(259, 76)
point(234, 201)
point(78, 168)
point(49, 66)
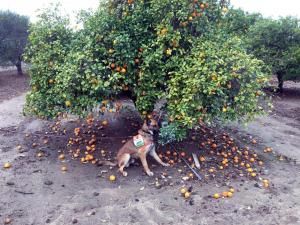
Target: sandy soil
point(36, 192)
point(12, 84)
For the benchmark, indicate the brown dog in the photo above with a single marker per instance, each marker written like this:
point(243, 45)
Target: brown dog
point(139, 147)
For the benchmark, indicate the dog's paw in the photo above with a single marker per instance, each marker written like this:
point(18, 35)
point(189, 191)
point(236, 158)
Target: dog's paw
point(150, 174)
point(166, 164)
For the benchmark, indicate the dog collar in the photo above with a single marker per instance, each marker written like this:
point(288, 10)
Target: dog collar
point(148, 132)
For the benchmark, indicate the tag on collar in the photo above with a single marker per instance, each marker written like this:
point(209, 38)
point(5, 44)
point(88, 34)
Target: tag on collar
point(138, 141)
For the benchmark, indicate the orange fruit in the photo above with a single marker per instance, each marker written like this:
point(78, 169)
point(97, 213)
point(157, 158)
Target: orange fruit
point(231, 190)
point(225, 194)
point(64, 168)
point(7, 165)
point(211, 170)
point(183, 190)
point(40, 154)
point(253, 174)
point(112, 66)
point(104, 122)
point(216, 196)
point(229, 194)
point(123, 70)
point(68, 103)
point(89, 157)
point(187, 195)
point(112, 178)
point(214, 145)
point(61, 157)
point(82, 160)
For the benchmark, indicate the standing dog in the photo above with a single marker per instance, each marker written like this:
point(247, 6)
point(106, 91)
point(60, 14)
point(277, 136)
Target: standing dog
point(132, 150)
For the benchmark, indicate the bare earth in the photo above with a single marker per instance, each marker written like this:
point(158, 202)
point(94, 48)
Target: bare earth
point(36, 192)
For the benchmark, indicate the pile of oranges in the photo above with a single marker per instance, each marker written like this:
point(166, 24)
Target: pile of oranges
point(218, 153)
point(224, 194)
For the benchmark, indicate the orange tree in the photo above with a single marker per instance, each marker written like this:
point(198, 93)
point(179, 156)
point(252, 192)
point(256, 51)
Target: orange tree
point(277, 43)
point(150, 49)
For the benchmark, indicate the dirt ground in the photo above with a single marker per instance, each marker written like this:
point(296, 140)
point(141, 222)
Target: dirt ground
point(34, 191)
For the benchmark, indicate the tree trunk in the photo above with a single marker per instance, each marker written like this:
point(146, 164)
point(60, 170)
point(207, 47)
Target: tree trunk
point(280, 82)
point(19, 67)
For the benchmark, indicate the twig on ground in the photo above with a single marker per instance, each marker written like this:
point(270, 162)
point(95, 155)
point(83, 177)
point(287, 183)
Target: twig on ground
point(191, 168)
point(24, 193)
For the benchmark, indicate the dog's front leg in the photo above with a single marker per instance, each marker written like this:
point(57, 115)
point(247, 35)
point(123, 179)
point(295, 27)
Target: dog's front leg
point(156, 157)
point(145, 164)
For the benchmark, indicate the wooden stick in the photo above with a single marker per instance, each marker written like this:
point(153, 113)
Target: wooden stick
point(196, 160)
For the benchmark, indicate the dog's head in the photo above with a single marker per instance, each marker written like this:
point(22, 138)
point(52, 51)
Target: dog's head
point(150, 125)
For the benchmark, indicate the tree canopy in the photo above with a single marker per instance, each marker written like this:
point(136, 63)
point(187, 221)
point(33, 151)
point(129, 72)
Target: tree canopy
point(277, 43)
point(13, 38)
point(150, 50)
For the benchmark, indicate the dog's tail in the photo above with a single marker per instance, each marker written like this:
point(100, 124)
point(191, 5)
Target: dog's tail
point(107, 163)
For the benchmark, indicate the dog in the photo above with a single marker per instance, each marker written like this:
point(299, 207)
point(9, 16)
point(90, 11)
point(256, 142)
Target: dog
point(139, 147)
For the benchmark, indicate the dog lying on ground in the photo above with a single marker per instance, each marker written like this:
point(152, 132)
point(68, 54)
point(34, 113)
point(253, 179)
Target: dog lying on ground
point(139, 147)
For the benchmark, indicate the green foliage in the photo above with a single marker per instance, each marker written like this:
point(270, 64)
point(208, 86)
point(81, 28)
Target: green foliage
point(13, 37)
point(171, 133)
point(217, 80)
point(49, 44)
point(238, 22)
point(277, 43)
point(152, 50)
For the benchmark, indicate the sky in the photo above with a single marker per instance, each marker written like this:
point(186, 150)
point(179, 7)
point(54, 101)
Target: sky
point(269, 8)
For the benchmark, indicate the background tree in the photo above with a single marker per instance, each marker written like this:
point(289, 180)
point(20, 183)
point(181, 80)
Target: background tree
point(13, 38)
point(277, 43)
point(238, 21)
point(150, 50)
